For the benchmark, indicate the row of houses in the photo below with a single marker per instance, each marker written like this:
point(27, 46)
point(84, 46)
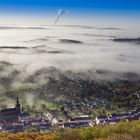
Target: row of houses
point(21, 127)
point(86, 121)
point(14, 120)
point(114, 118)
point(77, 122)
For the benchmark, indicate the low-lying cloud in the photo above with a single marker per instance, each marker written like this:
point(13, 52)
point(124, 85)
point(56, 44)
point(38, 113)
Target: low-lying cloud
point(34, 50)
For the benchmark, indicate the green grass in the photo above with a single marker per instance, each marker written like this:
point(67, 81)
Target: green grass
point(53, 106)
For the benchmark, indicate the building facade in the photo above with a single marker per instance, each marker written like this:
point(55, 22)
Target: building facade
point(10, 114)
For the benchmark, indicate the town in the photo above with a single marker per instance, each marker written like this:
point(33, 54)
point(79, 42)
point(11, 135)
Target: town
point(15, 120)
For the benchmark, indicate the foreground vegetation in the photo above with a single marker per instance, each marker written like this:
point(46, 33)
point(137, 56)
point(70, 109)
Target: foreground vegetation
point(121, 131)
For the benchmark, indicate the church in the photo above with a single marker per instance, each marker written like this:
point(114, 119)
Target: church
point(10, 114)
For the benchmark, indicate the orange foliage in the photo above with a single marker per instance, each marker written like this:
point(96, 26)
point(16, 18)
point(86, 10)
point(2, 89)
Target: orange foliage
point(24, 136)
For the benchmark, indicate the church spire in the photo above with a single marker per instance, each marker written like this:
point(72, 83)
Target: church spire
point(18, 105)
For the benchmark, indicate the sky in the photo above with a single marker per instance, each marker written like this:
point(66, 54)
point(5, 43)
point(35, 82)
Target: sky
point(81, 5)
point(76, 8)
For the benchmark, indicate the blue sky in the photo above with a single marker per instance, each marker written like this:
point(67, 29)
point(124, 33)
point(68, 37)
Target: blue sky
point(36, 6)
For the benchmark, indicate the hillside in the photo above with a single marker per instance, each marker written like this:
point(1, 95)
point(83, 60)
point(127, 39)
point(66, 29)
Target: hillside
point(51, 88)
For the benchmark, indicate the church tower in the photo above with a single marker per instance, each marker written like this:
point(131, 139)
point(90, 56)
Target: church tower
point(18, 105)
